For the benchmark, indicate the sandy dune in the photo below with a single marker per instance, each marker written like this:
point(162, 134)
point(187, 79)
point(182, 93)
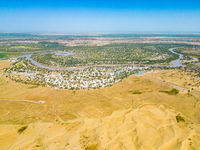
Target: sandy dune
point(150, 127)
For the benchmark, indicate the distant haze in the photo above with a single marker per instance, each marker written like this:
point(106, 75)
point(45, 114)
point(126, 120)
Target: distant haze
point(99, 16)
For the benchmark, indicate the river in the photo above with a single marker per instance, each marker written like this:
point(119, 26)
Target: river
point(175, 63)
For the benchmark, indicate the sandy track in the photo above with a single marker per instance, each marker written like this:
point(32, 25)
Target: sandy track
point(21, 100)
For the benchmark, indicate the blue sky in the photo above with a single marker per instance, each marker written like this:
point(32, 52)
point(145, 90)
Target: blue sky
point(99, 16)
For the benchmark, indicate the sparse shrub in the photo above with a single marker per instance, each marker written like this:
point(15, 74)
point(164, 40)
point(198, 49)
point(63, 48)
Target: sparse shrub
point(22, 129)
point(91, 147)
point(180, 118)
point(174, 91)
point(135, 92)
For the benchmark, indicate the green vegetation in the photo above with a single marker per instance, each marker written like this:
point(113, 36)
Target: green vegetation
point(124, 53)
point(91, 147)
point(22, 129)
point(180, 118)
point(136, 80)
point(2, 55)
point(18, 47)
point(110, 54)
point(189, 50)
point(174, 91)
point(135, 92)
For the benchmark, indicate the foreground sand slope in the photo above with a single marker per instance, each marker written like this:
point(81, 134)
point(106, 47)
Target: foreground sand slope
point(150, 127)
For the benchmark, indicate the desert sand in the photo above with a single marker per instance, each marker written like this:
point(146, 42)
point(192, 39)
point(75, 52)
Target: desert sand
point(150, 127)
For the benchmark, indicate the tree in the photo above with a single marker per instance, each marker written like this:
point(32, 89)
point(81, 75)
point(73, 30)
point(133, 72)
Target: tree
point(188, 92)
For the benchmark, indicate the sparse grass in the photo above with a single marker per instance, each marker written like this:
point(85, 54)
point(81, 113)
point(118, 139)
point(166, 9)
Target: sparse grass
point(22, 129)
point(32, 87)
point(136, 80)
point(146, 81)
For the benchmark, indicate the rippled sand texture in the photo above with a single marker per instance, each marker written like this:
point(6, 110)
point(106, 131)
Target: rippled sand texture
point(150, 127)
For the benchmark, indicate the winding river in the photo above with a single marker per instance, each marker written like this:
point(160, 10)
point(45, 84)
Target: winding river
point(175, 63)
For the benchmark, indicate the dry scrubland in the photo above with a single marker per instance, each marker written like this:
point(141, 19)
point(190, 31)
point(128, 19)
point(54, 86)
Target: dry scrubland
point(179, 77)
point(151, 127)
point(63, 120)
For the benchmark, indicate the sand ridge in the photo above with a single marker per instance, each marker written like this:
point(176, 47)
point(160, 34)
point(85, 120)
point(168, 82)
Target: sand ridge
point(151, 127)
